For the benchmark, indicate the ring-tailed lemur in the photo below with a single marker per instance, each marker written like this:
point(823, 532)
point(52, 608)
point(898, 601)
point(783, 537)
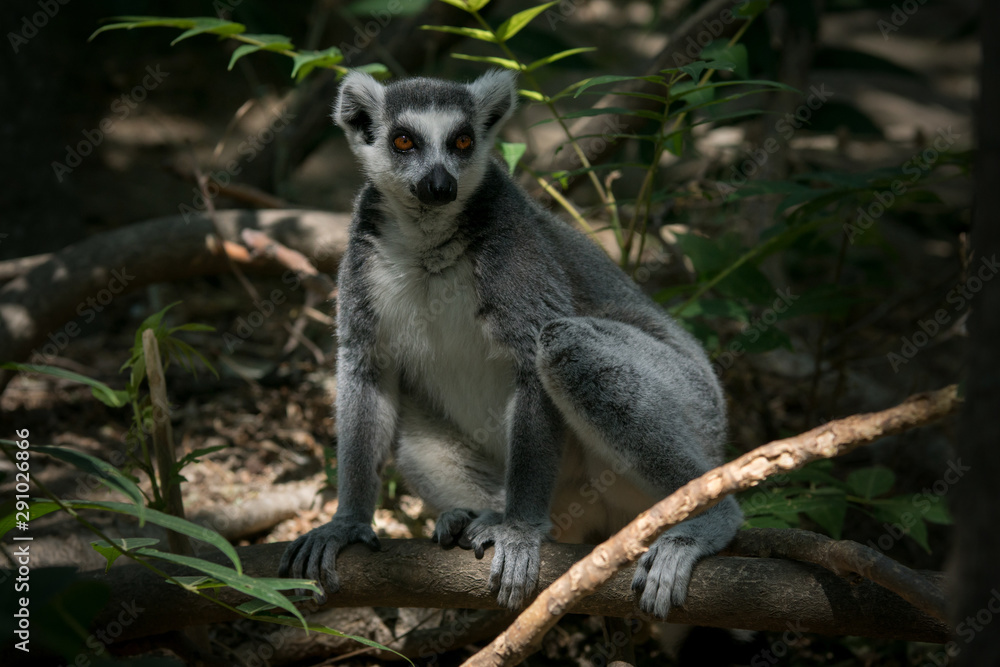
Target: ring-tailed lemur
point(508, 364)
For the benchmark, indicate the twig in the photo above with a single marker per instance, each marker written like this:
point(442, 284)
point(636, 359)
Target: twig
point(826, 441)
point(842, 557)
point(163, 441)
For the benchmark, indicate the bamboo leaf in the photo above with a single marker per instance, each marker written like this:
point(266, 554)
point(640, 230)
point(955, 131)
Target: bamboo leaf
point(306, 61)
point(102, 392)
point(474, 33)
point(548, 60)
point(518, 21)
point(493, 60)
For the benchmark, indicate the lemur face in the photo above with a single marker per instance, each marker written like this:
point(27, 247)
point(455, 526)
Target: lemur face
point(424, 142)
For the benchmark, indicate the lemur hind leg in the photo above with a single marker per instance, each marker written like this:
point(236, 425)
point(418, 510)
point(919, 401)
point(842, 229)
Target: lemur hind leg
point(654, 409)
point(451, 473)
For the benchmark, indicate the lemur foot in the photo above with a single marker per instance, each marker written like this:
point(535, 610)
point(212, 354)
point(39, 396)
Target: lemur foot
point(516, 556)
point(449, 531)
point(663, 573)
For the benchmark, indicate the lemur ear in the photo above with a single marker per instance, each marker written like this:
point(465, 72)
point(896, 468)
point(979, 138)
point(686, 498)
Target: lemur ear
point(360, 98)
point(495, 94)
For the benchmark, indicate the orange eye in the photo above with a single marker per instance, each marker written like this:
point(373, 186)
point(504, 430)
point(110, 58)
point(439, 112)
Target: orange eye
point(402, 142)
point(463, 142)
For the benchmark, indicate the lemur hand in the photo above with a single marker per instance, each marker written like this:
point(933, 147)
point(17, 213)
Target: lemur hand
point(314, 555)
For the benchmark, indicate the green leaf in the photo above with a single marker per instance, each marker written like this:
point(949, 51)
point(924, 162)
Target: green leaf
point(936, 511)
point(871, 482)
point(493, 60)
point(267, 43)
point(532, 95)
point(113, 550)
point(306, 61)
point(192, 457)
point(236, 580)
point(392, 7)
point(101, 391)
point(830, 516)
point(377, 70)
point(36, 509)
point(518, 21)
point(902, 516)
point(106, 474)
point(720, 55)
point(512, 153)
point(601, 111)
point(548, 60)
point(613, 78)
point(692, 94)
point(211, 26)
point(199, 24)
point(176, 524)
point(284, 620)
point(196, 582)
point(474, 33)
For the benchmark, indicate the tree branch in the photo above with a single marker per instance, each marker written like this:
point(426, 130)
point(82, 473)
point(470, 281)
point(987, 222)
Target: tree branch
point(39, 310)
point(751, 593)
point(585, 577)
point(843, 558)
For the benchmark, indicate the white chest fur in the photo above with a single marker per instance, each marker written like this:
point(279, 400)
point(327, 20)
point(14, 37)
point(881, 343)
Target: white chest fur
point(426, 305)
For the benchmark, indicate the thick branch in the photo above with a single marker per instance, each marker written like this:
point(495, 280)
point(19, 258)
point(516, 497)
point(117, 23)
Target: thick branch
point(752, 593)
point(584, 578)
point(41, 309)
point(842, 557)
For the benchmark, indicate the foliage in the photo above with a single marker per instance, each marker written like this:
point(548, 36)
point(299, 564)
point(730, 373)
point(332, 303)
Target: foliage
point(266, 593)
point(815, 492)
point(303, 61)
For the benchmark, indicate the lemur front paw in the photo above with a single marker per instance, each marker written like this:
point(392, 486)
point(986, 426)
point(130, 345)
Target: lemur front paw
point(450, 528)
point(516, 556)
point(663, 573)
point(314, 555)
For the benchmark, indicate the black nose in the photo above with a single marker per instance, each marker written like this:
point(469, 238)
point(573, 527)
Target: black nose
point(437, 188)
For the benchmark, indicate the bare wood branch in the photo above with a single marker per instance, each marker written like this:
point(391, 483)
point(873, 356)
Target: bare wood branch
point(842, 557)
point(584, 578)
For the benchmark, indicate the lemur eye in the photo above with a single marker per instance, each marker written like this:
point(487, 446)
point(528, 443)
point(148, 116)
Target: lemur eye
point(463, 142)
point(403, 142)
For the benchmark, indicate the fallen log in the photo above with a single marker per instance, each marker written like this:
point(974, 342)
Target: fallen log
point(41, 304)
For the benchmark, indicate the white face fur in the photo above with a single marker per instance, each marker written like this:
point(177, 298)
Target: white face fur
point(424, 143)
